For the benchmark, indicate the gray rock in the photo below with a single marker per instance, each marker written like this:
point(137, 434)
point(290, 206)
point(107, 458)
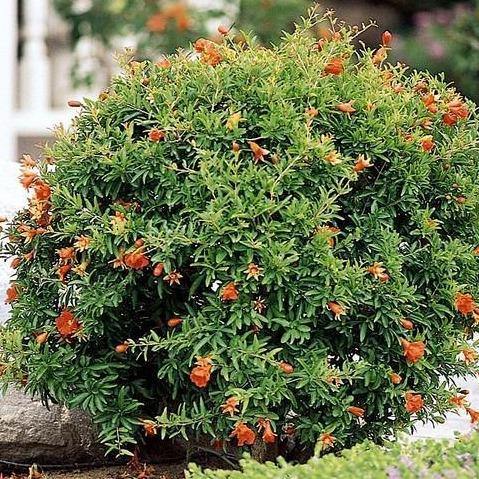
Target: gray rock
point(29, 432)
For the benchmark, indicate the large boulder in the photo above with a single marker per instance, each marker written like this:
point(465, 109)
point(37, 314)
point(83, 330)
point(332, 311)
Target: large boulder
point(29, 432)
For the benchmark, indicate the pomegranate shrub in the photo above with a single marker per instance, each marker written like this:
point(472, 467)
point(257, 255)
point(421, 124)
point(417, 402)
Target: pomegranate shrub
point(259, 245)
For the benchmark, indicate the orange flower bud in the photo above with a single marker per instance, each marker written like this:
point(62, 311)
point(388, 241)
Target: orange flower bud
point(407, 324)
point(75, 103)
point(395, 378)
point(286, 367)
point(356, 411)
point(386, 38)
point(41, 338)
point(122, 348)
point(173, 322)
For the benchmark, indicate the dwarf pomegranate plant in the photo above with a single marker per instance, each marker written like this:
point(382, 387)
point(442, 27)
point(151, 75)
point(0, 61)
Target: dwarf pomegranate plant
point(257, 245)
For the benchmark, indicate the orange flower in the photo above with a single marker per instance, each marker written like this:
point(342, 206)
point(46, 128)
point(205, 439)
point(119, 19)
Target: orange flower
point(15, 263)
point(82, 243)
point(336, 309)
point(413, 351)
point(12, 294)
point(456, 110)
point(173, 277)
point(230, 406)
point(356, 411)
point(229, 292)
point(258, 152)
point(473, 414)
point(464, 303)
point(158, 269)
point(42, 191)
point(386, 38)
point(211, 55)
point(379, 56)
point(334, 67)
point(164, 63)
point(157, 23)
point(173, 322)
point(223, 30)
point(155, 135)
point(243, 434)
point(63, 271)
point(201, 44)
point(311, 112)
point(201, 373)
point(66, 254)
point(377, 270)
point(362, 163)
point(346, 107)
point(41, 339)
point(395, 378)
point(327, 439)
point(429, 101)
point(427, 143)
point(67, 324)
point(269, 437)
point(149, 427)
point(122, 347)
point(27, 161)
point(333, 158)
point(414, 402)
point(469, 355)
point(286, 367)
point(253, 271)
point(407, 324)
point(459, 400)
point(27, 178)
point(137, 259)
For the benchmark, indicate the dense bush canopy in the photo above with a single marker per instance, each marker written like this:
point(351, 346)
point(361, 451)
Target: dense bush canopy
point(261, 245)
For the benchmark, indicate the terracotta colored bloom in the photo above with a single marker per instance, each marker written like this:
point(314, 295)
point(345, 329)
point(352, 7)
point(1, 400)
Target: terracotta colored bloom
point(413, 351)
point(158, 269)
point(469, 355)
point(395, 378)
point(229, 292)
point(456, 110)
point(12, 294)
point(258, 152)
point(377, 270)
point(223, 30)
point(173, 278)
point(66, 254)
point(311, 112)
point(327, 440)
point(286, 367)
point(136, 260)
point(155, 135)
point(334, 67)
point(42, 191)
point(336, 309)
point(253, 271)
point(386, 38)
point(27, 178)
point(333, 158)
point(82, 243)
point(200, 375)
point(41, 338)
point(427, 143)
point(164, 63)
point(230, 406)
point(211, 56)
point(122, 348)
point(201, 44)
point(27, 161)
point(149, 427)
point(63, 271)
point(67, 324)
point(243, 434)
point(157, 23)
point(269, 437)
point(259, 305)
point(464, 303)
point(407, 324)
point(473, 414)
point(346, 107)
point(173, 322)
point(356, 411)
point(233, 121)
point(414, 402)
point(429, 101)
point(459, 400)
point(362, 163)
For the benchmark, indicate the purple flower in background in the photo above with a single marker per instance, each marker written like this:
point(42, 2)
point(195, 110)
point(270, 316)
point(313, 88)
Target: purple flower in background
point(407, 461)
point(393, 473)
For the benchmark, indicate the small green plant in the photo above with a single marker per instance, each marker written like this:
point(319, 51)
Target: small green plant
point(418, 459)
point(259, 245)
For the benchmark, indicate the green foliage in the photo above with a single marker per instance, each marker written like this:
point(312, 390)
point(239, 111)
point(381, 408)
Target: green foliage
point(419, 459)
point(146, 185)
